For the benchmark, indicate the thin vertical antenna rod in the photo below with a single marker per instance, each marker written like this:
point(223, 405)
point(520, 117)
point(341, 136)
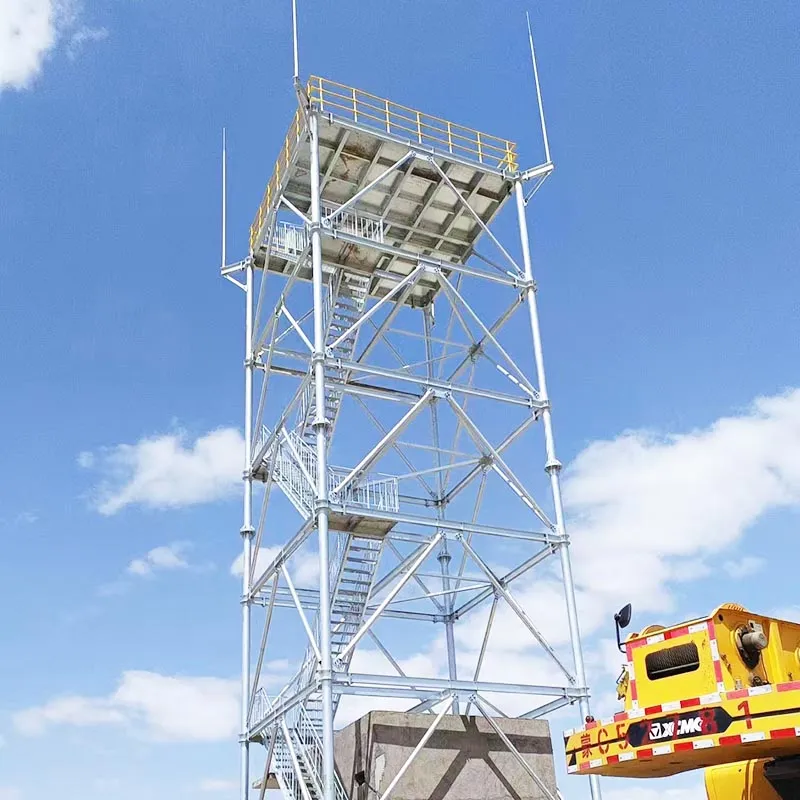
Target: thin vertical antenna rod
point(294, 39)
point(538, 91)
point(224, 199)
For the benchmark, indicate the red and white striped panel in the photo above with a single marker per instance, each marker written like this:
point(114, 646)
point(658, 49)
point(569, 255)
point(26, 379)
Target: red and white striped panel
point(682, 705)
point(680, 747)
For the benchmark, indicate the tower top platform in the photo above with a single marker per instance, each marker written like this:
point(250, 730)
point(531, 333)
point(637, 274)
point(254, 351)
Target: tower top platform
point(423, 186)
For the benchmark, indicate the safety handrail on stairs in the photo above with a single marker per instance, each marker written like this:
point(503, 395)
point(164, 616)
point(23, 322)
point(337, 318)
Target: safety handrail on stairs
point(290, 239)
point(372, 492)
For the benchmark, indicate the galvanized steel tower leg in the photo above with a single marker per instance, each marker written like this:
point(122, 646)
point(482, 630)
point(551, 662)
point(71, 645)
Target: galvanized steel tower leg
point(553, 467)
point(247, 533)
point(320, 425)
point(444, 555)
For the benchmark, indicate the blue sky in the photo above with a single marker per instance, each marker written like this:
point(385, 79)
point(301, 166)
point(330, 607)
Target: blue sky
point(665, 248)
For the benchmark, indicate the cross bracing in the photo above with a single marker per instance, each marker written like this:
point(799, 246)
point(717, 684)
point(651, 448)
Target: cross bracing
point(396, 406)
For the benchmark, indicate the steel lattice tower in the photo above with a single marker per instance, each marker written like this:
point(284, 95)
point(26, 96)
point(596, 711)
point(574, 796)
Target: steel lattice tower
point(381, 335)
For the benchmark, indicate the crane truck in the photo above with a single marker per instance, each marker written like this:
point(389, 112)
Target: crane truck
point(719, 693)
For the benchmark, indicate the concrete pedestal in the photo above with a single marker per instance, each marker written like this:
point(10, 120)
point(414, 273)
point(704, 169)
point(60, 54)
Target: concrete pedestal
point(463, 760)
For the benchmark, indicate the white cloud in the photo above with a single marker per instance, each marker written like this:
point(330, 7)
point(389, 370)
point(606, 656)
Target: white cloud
point(741, 568)
point(645, 507)
point(646, 511)
point(157, 707)
point(303, 565)
point(163, 707)
point(10, 793)
point(166, 557)
point(181, 709)
point(169, 471)
point(31, 30)
point(28, 31)
point(305, 568)
point(266, 555)
point(72, 710)
point(217, 785)
point(83, 36)
point(85, 459)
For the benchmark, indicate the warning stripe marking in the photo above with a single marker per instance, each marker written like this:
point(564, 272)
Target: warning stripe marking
point(700, 744)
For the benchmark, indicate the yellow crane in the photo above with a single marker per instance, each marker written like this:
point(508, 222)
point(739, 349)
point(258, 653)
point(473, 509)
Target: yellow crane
point(720, 693)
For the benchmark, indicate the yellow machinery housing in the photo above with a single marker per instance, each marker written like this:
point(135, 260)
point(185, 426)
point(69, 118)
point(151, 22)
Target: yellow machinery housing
point(720, 692)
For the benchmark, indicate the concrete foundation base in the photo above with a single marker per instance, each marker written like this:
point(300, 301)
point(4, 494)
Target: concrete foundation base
point(463, 760)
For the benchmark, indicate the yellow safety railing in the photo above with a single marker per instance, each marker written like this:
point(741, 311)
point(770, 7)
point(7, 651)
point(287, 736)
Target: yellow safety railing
point(379, 113)
point(281, 165)
point(408, 123)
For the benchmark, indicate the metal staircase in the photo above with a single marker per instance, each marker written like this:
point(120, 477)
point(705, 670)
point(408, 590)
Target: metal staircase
point(297, 760)
point(353, 566)
point(345, 300)
point(297, 755)
point(294, 464)
point(292, 456)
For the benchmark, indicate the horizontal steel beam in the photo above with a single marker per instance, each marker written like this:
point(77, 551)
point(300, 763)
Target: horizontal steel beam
point(284, 601)
point(523, 400)
point(512, 281)
point(453, 527)
point(279, 710)
point(380, 682)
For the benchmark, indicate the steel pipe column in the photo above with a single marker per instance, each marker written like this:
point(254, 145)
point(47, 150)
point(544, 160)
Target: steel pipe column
point(553, 467)
point(320, 425)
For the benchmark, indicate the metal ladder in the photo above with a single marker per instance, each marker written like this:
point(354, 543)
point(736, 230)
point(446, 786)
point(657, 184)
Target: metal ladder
point(357, 569)
point(344, 304)
point(297, 761)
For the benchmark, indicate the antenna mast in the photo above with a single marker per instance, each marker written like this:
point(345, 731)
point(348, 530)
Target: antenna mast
point(224, 200)
point(538, 91)
point(294, 40)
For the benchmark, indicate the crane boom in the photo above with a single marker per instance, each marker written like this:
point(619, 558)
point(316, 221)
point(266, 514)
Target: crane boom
point(721, 692)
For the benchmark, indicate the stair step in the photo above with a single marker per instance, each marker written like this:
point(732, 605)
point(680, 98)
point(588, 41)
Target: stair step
point(338, 313)
point(356, 595)
point(355, 586)
point(357, 577)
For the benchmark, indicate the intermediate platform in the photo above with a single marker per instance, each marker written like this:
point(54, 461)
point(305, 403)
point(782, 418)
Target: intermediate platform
point(413, 211)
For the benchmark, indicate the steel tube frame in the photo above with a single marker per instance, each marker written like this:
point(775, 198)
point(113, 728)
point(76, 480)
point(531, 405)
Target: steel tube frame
point(389, 597)
point(517, 609)
point(513, 750)
point(411, 256)
point(330, 374)
point(547, 708)
point(416, 751)
point(346, 681)
point(320, 426)
point(444, 554)
point(433, 383)
point(247, 532)
point(553, 467)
